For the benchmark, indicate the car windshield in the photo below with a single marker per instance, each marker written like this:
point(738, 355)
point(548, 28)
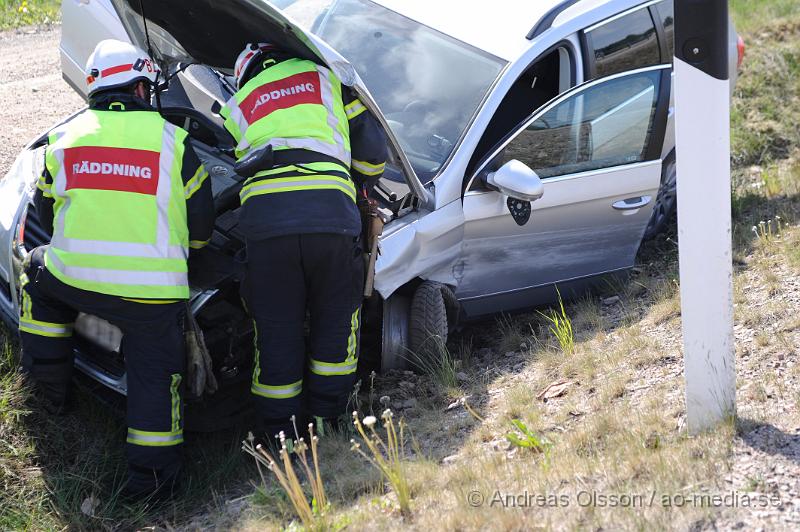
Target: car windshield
point(427, 84)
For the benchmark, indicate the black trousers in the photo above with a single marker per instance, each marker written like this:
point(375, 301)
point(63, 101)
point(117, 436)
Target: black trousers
point(287, 277)
point(155, 361)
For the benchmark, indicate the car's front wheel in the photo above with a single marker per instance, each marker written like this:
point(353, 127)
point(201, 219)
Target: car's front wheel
point(433, 315)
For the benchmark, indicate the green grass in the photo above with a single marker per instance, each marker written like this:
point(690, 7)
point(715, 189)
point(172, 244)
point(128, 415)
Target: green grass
point(16, 13)
point(754, 15)
point(764, 127)
point(50, 465)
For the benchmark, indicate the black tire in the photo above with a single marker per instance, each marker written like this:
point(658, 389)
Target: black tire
point(428, 323)
point(452, 306)
point(666, 201)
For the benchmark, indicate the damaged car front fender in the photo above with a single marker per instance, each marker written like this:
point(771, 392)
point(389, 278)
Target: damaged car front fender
point(421, 245)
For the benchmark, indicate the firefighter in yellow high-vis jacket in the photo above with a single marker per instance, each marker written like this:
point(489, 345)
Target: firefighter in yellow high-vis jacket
point(302, 229)
point(125, 197)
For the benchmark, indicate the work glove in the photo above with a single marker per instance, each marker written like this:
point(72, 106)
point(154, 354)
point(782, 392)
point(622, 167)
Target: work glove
point(200, 371)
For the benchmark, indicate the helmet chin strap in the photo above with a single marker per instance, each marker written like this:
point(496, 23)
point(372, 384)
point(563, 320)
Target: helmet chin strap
point(253, 71)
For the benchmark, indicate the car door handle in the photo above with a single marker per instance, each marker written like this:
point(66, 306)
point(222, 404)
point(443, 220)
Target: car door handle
point(631, 204)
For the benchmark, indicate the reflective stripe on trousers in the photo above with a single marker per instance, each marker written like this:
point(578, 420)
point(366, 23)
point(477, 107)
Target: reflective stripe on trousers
point(286, 391)
point(40, 328)
point(43, 328)
point(154, 439)
point(350, 363)
point(277, 392)
point(175, 396)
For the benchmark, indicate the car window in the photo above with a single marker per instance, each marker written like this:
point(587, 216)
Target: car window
point(606, 124)
point(623, 44)
point(427, 83)
point(550, 75)
point(666, 10)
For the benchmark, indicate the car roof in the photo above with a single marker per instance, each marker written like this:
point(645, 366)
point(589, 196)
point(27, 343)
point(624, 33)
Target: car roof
point(500, 28)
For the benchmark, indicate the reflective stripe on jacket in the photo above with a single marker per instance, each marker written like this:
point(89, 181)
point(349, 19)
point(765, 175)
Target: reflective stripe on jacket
point(120, 223)
point(307, 176)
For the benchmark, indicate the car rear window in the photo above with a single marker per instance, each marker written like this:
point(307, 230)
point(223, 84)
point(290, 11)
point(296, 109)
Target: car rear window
point(623, 44)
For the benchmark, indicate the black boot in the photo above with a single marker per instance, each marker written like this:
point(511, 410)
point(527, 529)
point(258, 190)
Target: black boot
point(148, 485)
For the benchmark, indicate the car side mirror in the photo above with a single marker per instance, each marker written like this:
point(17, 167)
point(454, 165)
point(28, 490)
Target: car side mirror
point(516, 180)
point(520, 184)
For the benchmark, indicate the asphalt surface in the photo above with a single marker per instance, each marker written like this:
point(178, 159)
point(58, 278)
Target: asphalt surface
point(33, 96)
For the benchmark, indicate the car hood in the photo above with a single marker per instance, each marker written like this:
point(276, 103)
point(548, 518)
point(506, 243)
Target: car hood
point(213, 32)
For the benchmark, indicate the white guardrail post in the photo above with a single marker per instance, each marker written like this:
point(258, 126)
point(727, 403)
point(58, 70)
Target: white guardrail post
point(702, 129)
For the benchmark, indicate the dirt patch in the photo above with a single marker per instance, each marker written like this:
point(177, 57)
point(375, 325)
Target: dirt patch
point(33, 95)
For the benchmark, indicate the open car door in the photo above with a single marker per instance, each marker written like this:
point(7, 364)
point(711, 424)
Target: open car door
point(597, 150)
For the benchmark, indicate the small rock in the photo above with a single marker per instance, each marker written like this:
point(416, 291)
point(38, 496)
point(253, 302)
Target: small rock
point(781, 356)
point(483, 352)
point(613, 300)
point(462, 377)
point(89, 505)
point(450, 459)
point(409, 403)
point(523, 346)
point(457, 403)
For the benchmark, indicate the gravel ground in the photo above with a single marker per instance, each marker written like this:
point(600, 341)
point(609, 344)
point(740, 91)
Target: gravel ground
point(766, 454)
point(33, 96)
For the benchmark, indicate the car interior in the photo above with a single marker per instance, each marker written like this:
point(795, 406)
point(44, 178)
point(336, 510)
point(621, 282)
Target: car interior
point(545, 79)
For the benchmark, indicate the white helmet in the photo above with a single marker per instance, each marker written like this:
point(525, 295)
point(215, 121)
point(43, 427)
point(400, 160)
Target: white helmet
point(116, 64)
point(247, 58)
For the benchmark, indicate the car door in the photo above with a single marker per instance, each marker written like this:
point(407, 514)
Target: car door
point(597, 151)
point(84, 24)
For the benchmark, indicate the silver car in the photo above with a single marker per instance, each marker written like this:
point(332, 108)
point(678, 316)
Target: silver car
point(531, 146)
